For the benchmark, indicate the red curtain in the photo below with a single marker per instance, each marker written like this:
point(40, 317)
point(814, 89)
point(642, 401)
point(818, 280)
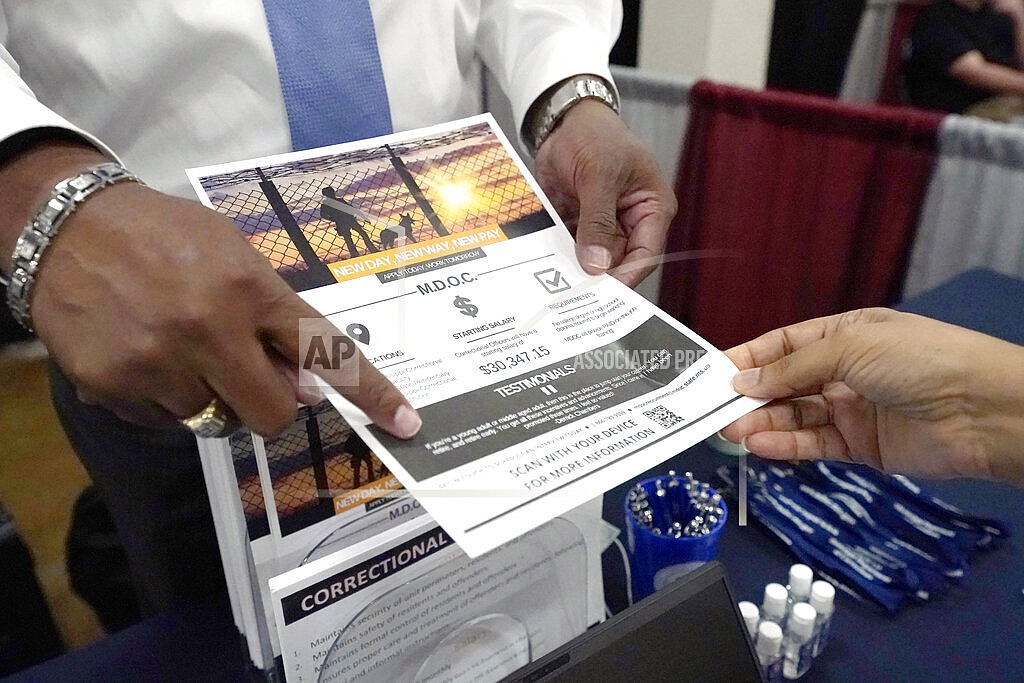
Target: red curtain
point(791, 206)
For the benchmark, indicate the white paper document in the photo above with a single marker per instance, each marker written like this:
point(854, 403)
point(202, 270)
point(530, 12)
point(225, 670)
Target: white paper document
point(304, 503)
point(435, 250)
point(409, 606)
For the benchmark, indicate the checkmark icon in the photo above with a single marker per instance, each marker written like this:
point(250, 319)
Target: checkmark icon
point(552, 280)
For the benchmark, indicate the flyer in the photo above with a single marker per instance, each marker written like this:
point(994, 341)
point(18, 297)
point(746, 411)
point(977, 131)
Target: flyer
point(439, 256)
point(306, 492)
point(312, 492)
point(409, 605)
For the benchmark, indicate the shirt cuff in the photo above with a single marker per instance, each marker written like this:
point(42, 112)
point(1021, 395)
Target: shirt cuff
point(23, 112)
point(553, 60)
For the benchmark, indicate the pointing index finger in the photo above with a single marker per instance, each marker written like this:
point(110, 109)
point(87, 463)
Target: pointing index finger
point(313, 343)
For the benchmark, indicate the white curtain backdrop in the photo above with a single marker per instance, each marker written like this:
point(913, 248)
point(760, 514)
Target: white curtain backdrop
point(656, 107)
point(973, 212)
point(865, 68)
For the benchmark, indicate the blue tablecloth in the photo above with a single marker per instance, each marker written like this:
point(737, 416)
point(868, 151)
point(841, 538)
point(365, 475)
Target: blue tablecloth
point(972, 633)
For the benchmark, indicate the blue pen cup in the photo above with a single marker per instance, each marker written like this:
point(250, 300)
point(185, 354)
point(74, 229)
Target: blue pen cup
point(656, 560)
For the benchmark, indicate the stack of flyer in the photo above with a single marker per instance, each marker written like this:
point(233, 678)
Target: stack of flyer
point(473, 548)
point(335, 583)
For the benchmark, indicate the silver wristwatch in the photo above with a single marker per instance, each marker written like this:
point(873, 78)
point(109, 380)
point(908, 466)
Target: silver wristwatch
point(552, 106)
point(43, 228)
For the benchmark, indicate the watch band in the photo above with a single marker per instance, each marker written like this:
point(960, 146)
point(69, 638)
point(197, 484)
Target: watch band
point(548, 110)
point(44, 226)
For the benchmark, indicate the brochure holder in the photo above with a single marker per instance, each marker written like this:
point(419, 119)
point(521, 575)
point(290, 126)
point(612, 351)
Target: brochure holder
point(400, 506)
point(476, 619)
point(522, 600)
point(445, 618)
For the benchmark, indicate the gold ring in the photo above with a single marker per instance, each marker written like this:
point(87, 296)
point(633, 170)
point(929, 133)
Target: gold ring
point(215, 421)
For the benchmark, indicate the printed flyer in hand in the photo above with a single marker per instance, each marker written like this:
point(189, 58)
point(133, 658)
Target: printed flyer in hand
point(437, 253)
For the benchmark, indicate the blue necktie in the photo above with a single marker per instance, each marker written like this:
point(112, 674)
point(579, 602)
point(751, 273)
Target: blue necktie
point(330, 70)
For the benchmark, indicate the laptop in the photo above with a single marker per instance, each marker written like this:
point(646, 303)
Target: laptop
point(690, 630)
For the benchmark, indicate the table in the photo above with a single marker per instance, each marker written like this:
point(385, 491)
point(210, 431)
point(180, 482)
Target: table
point(975, 632)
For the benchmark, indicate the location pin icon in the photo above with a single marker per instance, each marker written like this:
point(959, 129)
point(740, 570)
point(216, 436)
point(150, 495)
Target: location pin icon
point(358, 332)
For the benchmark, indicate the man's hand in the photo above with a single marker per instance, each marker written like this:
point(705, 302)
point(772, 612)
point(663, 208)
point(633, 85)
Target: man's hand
point(897, 391)
point(154, 305)
point(608, 188)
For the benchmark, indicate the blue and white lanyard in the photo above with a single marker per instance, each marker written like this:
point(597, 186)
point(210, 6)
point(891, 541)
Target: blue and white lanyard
point(879, 534)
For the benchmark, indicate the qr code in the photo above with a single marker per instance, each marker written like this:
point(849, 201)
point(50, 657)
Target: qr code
point(663, 416)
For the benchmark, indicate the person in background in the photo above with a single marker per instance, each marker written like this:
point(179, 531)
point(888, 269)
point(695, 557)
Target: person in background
point(966, 57)
point(900, 392)
point(155, 309)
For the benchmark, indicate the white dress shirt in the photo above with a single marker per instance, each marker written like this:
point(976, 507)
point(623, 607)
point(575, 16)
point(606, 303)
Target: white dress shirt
point(172, 84)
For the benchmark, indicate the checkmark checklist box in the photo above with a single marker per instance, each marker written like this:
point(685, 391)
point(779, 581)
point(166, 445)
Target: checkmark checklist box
point(552, 280)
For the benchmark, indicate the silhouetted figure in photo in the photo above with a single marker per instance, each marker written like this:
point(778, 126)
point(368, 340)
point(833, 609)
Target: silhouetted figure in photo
point(406, 222)
point(388, 236)
point(333, 208)
point(359, 455)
